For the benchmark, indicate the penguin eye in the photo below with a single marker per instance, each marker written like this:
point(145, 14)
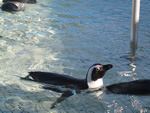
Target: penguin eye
point(99, 68)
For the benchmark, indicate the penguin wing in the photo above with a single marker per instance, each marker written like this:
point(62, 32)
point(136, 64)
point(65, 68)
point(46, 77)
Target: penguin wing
point(66, 93)
point(63, 97)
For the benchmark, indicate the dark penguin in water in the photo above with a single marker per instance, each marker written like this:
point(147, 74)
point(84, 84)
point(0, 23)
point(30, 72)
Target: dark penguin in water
point(15, 5)
point(137, 87)
point(93, 80)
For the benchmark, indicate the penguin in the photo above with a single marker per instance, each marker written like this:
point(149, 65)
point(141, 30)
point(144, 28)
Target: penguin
point(15, 5)
point(94, 78)
point(71, 85)
point(136, 87)
point(12, 6)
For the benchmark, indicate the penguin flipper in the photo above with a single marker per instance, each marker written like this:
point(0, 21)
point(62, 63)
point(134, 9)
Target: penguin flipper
point(65, 94)
point(60, 99)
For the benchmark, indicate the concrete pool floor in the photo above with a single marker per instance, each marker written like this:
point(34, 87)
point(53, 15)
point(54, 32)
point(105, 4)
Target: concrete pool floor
point(19, 96)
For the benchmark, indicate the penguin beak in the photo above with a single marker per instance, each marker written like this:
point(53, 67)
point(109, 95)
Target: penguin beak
point(107, 67)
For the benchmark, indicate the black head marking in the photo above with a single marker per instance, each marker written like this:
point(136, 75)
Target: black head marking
point(95, 75)
point(98, 71)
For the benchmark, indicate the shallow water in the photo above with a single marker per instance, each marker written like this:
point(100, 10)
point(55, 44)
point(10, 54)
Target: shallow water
point(68, 36)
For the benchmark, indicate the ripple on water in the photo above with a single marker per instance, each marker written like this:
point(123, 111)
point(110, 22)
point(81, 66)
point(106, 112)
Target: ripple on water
point(67, 37)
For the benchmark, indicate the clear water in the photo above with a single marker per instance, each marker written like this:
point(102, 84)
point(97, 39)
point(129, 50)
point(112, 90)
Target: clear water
point(68, 36)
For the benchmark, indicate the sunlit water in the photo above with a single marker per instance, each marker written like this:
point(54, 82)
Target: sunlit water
point(67, 37)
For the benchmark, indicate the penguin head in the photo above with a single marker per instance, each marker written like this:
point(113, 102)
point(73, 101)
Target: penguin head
point(12, 6)
point(9, 6)
point(95, 75)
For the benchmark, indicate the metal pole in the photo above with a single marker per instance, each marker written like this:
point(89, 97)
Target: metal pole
point(134, 27)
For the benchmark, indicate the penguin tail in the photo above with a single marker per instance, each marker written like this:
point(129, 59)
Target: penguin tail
point(27, 78)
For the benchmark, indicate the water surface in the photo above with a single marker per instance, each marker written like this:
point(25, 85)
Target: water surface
point(68, 36)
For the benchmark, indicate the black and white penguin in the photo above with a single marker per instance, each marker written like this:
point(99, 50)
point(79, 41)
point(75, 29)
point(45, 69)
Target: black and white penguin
point(94, 78)
point(15, 5)
point(137, 87)
point(12, 6)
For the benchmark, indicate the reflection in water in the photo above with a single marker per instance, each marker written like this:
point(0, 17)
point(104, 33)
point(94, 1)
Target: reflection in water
point(130, 72)
point(133, 66)
point(133, 51)
point(67, 36)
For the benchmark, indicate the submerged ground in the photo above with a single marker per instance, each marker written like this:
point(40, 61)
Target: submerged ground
point(67, 37)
